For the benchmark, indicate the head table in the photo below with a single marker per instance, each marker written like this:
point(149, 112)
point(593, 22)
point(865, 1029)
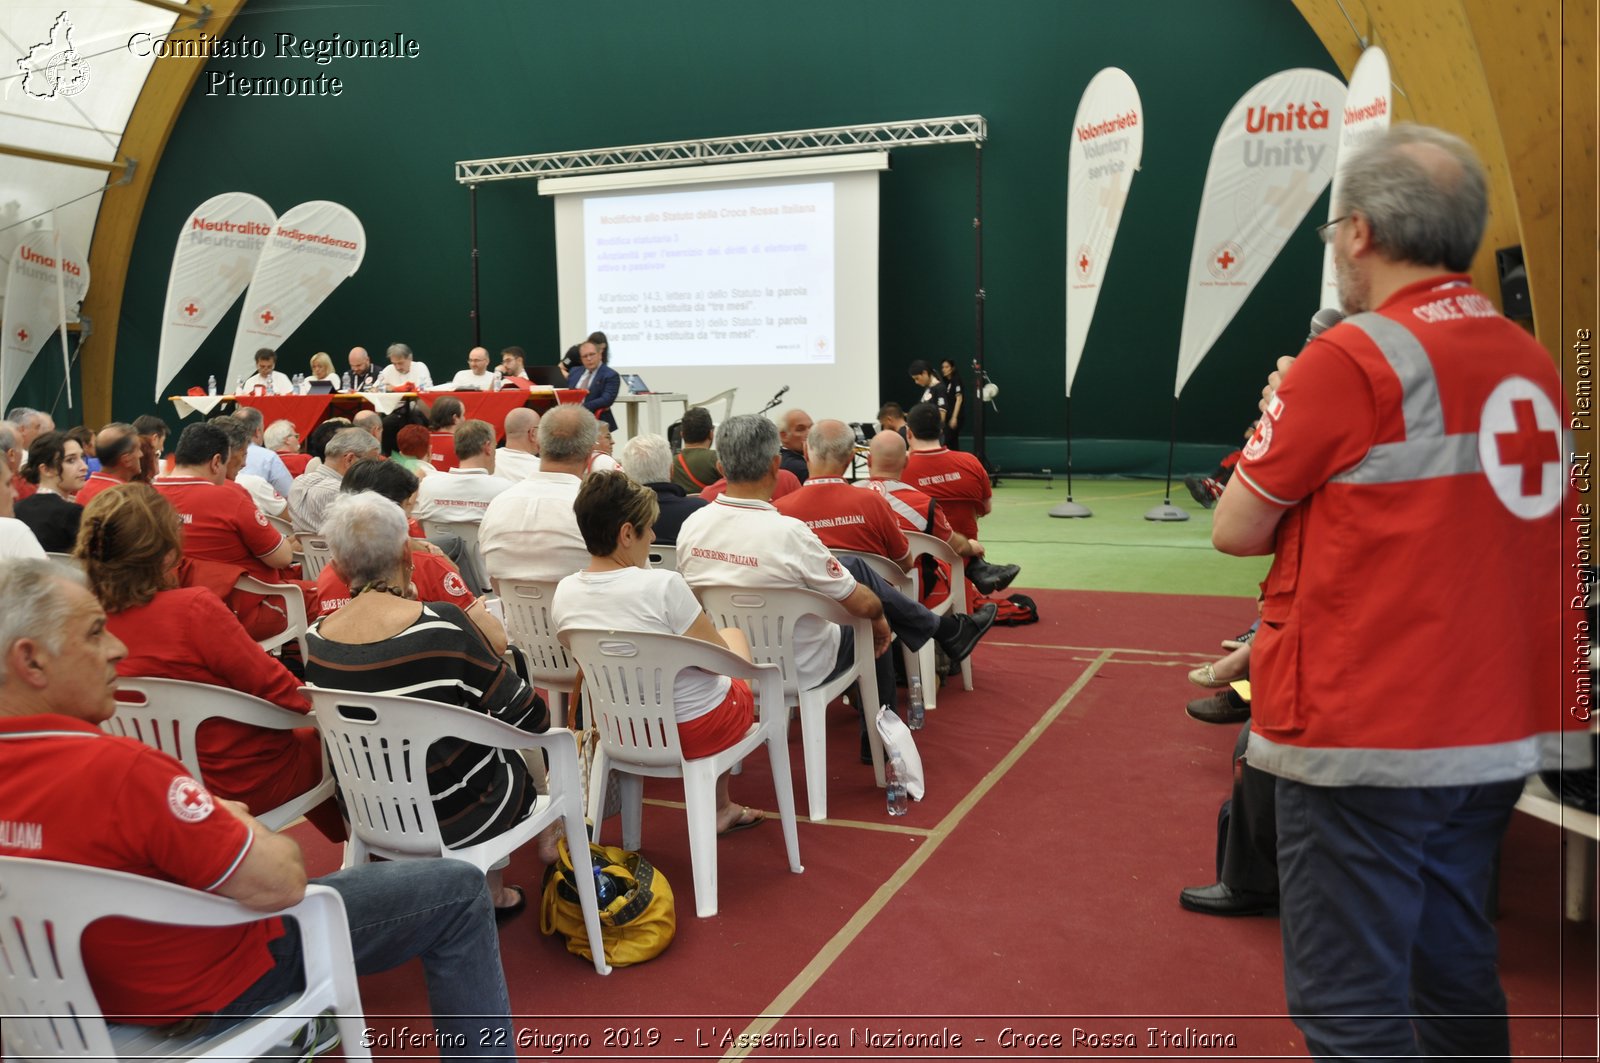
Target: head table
point(308, 411)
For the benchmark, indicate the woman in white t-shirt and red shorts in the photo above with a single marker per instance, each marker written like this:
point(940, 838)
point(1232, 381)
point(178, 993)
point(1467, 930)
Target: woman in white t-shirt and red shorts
point(621, 592)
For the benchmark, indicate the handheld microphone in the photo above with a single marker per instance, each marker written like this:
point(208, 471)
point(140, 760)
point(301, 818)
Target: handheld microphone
point(1322, 321)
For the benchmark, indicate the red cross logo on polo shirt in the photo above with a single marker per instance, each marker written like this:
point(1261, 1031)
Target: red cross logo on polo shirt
point(22, 335)
point(1226, 259)
point(266, 317)
point(1519, 447)
point(191, 310)
point(188, 800)
point(1530, 446)
point(192, 797)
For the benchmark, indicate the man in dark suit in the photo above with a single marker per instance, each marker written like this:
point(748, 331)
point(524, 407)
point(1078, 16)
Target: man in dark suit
point(601, 381)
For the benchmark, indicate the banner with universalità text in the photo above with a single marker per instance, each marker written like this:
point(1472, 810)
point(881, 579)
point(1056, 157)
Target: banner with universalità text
point(1107, 144)
point(1367, 104)
point(1272, 158)
point(216, 256)
point(45, 285)
point(311, 251)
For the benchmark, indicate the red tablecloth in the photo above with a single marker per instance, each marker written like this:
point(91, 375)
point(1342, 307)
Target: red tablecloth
point(308, 411)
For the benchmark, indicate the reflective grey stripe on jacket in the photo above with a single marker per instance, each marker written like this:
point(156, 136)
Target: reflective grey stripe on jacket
point(1446, 766)
point(1427, 452)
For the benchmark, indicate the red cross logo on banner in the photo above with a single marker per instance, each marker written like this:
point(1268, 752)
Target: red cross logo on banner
point(266, 317)
point(1519, 447)
point(22, 335)
point(1084, 263)
point(191, 309)
point(1226, 259)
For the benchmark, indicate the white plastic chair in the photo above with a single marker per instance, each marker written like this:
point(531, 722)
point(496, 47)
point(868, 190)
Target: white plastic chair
point(924, 664)
point(724, 397)
point(956, 602)
point(284, 527)
point(166, 713)
point(379, 746)
point(1580, 841)
point(532, 630)
point(294, 611)
point(314, 556)
point(467, 532)
point(628, 686)
point(663, 555)
point(767, 618)
point(50, 1008)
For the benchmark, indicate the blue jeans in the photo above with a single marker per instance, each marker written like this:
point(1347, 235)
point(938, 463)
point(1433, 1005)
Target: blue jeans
point(1388, 951)
point(908, 619)
point(438, 910)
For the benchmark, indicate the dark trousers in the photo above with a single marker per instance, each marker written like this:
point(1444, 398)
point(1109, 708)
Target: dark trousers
point(1248, 855)
point(908, 619)
point(1387, 950)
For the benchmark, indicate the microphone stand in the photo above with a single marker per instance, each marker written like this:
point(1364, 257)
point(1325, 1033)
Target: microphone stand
point(776, 399)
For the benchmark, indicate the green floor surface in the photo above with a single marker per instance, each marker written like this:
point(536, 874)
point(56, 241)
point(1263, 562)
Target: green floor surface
point(1116, 549)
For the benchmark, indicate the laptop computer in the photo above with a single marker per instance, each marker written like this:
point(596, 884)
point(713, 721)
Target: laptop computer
point(547, 376)
point(321, 387)
point(636, 384)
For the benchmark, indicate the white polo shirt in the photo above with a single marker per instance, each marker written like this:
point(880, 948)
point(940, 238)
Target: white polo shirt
point(17, 540)
point(458, 496)
point(276, 383)
point(468, 379)
point(514, 465)
point(743, 542)
point(393, 378)
point(530, 531)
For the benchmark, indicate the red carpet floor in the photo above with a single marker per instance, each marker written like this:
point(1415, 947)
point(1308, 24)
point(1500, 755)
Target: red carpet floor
point(1026, 908)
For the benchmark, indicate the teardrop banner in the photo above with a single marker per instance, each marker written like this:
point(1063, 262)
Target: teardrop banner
point(1367, 105)
point(311, 251)
point(1272, 158)
point(1107, 145)
point(218, 248)
point(45, 285)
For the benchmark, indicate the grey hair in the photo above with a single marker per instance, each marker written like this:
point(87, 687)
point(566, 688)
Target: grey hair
point(278, 433)
point(239, 434)
point(357, 441)
point(647, 459)
point(831, 443)
point(33, 607)
point(251, 417)
point(19, 415)
point(567, 434)
point(470, 437)
point(8, 436)
point(399, 348)
point(746, 445)
point(367, 536)
point(1420, 211)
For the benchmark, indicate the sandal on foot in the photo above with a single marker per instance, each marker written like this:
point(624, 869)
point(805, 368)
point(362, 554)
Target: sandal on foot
point(748, 817)
point(1204, 676)
point(511, 911)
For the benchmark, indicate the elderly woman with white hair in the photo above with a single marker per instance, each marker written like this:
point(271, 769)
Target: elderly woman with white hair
point(386, 642)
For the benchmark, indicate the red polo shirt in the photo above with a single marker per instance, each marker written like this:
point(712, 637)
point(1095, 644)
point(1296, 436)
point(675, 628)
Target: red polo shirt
point(957, 479)
point(846, 519)
point(221, 523)
point(433, 577)
point(94, 485)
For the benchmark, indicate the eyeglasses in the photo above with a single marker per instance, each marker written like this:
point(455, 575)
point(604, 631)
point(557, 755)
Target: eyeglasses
point(1328, 229)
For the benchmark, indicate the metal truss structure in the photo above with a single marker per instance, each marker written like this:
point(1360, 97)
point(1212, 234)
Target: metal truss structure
point(969, 128)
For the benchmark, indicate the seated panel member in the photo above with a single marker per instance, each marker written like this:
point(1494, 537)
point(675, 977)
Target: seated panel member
point(145, 815)
point(514, 362)
point(267, 376)
point(602, 381)
point(363, 374)
point(476, 376)
point(404, 369)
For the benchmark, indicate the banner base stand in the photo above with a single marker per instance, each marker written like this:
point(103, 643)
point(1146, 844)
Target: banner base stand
point(1070, 508)
point(1166, 511)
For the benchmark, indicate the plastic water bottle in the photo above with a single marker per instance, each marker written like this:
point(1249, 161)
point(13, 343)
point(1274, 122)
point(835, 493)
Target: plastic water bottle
point(605, 887)
point(349, 382)
point(894, 773)
point(916, 714)
point(240, 390)
point(211, 384)
point(299, 383)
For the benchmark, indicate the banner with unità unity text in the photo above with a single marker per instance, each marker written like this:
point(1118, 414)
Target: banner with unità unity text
point(45, 285)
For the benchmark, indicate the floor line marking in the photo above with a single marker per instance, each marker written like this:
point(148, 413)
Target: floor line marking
point(809, 975)
point(856, 824)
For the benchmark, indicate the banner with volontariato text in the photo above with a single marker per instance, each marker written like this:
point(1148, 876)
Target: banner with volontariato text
point(312, 249)
point(45, 285)
point(1272, 158)
point(218, 247)
point(1107, 145)
point(1367, 104)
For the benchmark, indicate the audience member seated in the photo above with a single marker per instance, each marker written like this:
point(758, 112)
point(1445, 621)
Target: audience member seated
point(404, 372)
point(786, 483)
point(262, 493)
point(445, 413)
point(283, 439)
point(130, 543)
point(886, 464)
point(13, 451)
point(619, 591)
point(259, 460)
point(695, 467)
point(385, 642)
point(314, 491)
point(648, 459)
point(601, 381)
point(433, 577)
point(121, 460)
point(528, 531)
point(57, 683)
point(793, 428)
point(958, 480)
point(462, 495)
point(266, 377)
point(371, 422)
point(153, 433)
point(742, 540)
point(81, 435)
point(891, 418)
point(412, 446)
point(519, 458)
point(57, 471)
point(600, 459)
point(317, 439)
point(16, 538)
point(842, 517)
point(476, 376)
point(30, 424)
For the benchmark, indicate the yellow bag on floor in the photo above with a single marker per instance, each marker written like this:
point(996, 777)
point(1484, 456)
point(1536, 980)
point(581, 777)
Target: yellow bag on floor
point(635, 925)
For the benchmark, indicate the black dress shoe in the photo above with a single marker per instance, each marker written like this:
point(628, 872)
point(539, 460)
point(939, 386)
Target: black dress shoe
point(988, 577)
point(1222, 899)
point(970, 629)
point(1226, 707)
